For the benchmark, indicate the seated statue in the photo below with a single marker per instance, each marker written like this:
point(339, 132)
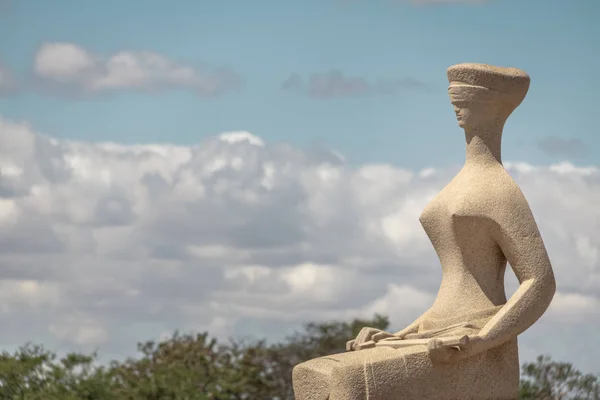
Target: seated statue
point(465, 346)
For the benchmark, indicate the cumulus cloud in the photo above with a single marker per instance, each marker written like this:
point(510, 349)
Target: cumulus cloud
point(75, 68)
point(334, 84)
point(8, 82)
point(103, 245)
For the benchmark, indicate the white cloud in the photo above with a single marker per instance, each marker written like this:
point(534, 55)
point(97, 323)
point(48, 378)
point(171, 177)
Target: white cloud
point(67, 64)
point(401, 303)
point(574, 307)
point(106, 244)
point(79, 330)
point(20, 294)
point(241, 136)
point(62, 60)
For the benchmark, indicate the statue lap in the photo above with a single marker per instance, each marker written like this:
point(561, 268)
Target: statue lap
point(384, 373)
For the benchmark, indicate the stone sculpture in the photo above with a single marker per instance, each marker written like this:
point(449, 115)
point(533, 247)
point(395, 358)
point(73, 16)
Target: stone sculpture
point(465, 346)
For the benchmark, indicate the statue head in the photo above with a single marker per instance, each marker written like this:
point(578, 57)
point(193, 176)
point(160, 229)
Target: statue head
point(484, 95)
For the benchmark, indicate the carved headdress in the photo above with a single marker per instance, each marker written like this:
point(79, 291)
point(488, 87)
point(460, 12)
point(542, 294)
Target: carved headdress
point(509, 84)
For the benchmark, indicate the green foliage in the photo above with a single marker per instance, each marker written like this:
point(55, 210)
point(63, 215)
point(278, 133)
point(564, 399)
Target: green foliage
point(196, 367)
point(189, 367)
point(33, 373)
point(550, 380)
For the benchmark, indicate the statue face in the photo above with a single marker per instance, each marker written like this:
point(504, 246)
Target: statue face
point(463, 113)
point(470, 114)
point(474, 106)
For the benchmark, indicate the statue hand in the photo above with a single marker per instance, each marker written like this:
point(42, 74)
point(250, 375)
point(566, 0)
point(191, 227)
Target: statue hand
point(448, 352)
point(367, 337)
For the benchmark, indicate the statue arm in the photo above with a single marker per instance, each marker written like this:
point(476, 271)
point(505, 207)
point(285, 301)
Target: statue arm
point(516, 233)
point(367, 337)
point(412, 328)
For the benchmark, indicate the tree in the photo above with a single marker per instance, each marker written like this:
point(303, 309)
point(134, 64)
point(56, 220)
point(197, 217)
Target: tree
point(550, 380)
point(33, 373)
point(184, 367)
point(189, 367)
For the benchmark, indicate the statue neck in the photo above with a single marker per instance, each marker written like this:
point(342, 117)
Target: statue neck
point(484, 146)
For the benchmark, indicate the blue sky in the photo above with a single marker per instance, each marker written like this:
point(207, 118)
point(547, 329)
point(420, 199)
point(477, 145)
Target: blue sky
point(555, 41)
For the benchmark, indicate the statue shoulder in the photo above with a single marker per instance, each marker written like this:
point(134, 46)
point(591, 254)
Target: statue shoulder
point(504, 201)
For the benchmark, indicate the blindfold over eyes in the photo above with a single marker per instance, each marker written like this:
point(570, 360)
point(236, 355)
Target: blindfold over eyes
point(460, 92)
